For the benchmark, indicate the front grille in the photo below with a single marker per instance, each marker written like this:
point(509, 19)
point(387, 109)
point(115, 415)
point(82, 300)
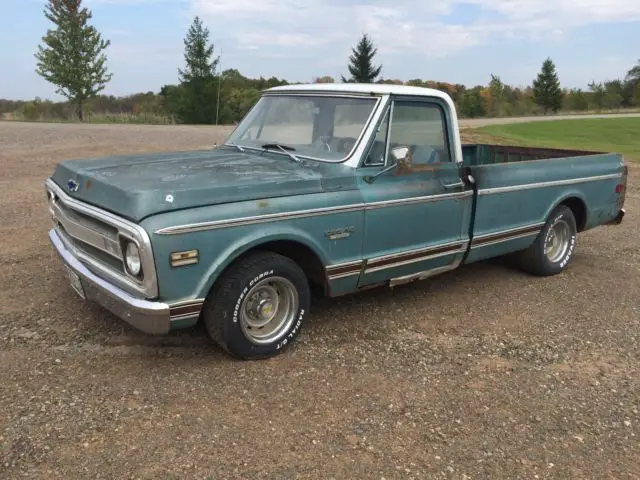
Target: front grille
point(115, 264)
point(97, 238)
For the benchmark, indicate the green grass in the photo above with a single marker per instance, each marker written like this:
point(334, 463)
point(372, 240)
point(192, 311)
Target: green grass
point(620, 135)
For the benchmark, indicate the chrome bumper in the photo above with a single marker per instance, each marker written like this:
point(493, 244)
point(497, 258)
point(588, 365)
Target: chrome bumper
point(147, 316)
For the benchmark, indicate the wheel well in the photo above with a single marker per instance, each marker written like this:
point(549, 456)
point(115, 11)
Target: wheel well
point(304, 256)
point(579, 210)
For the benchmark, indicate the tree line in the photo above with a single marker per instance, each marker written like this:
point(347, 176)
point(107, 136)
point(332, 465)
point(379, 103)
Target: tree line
point(72, 57)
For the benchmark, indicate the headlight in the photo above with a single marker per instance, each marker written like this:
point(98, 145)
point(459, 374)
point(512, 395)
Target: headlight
point(132, 259)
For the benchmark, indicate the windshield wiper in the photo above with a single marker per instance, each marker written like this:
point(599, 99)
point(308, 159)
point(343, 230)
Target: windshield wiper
point(234, 145)
point(284, 149)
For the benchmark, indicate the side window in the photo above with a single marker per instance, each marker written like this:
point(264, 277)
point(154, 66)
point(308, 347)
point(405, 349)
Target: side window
point(377, 152)
point(421, 127)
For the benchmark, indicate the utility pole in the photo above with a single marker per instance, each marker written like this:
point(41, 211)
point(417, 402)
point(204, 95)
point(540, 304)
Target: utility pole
point(219, 82)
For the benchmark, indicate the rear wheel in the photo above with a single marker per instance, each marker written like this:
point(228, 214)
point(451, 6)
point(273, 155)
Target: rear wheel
point(258, 306)
point(553, 249)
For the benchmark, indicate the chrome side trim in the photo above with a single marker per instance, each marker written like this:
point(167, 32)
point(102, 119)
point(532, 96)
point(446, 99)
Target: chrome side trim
point(425, 274)
point(344, 270)
point(270, 217)
point(415, 200)
point(554, 183)
point(508, 239)
point(149, 285)
point(273, 217)
point(340, 276)
point(506, 235)
point(413, 256)
point(186, 309)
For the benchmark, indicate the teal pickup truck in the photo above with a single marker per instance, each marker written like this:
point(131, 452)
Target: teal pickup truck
point(337, 188)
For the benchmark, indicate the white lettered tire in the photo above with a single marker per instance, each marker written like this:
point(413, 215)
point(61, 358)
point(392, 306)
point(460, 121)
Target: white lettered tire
point(553, 249)
point(257, 307)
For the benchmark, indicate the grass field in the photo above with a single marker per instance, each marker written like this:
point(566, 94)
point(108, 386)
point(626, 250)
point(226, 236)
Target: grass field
point(607, 135)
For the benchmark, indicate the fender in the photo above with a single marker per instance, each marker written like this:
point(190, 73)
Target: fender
point(253, 240)
point(566, 196)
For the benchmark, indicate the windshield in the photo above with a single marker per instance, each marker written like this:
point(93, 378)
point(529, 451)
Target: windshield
point(319, 127)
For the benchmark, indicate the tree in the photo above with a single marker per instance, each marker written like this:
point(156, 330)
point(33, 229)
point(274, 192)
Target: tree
point(324, 79)
point(361, 62)
point(546, 88)
point(72, 57)
point(634, 74)
point(494, 96)
point(471, 104)
point(576, 100)
point(198, 78)
point(598, 94)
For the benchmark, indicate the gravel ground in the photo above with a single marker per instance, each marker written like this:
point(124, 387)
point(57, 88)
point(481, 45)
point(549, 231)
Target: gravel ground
point(482, 373)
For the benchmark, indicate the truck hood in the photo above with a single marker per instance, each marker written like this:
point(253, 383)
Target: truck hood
point(138, 186)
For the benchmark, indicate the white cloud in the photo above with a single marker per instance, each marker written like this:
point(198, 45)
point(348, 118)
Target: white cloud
point(402, 25)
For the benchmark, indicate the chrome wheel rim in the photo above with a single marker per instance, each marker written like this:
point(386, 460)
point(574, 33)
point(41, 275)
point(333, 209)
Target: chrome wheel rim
point(268, 310)
point(557, 242)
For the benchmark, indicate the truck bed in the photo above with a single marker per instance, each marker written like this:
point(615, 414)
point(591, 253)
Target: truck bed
point(517, 188)
point(486, 154)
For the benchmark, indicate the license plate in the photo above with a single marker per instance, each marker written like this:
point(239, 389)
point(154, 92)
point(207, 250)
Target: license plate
point(76, 284)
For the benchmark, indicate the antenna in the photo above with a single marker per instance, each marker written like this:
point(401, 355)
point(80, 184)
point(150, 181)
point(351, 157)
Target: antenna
point(219, 82)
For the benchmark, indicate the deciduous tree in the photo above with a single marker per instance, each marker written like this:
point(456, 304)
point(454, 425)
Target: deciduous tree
point(72, 57)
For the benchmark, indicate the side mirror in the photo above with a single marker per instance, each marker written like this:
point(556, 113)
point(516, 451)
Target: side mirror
point(400, 154)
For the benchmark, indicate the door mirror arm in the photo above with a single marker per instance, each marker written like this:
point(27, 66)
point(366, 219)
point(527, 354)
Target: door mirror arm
point(398, 154)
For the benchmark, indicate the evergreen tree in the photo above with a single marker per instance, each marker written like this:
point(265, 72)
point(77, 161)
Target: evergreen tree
point(72, 58)
point(197, 80)
point(546, 88)
point(360, 62)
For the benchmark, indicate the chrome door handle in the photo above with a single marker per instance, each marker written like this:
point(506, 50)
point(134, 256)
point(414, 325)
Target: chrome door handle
point(451, 186)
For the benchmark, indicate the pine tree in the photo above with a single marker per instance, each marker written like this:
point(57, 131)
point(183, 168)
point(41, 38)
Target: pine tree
point(198, 77)
point(72, 57)
point(360, 62)
point(546, 88)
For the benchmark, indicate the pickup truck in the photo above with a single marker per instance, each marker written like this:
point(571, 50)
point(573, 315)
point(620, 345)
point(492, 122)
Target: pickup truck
point(333, 188)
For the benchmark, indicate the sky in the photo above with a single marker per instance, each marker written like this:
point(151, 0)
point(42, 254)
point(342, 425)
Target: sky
point(456, 41)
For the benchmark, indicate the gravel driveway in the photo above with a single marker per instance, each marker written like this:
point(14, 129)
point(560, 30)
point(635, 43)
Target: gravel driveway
point(484, 373)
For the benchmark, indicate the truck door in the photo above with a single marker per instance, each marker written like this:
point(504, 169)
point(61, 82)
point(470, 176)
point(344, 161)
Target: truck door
point(417, 215)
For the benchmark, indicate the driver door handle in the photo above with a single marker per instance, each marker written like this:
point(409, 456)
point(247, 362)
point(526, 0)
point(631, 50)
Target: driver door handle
point(451, 186)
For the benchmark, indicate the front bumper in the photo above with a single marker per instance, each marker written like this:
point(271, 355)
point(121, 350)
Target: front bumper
point(147, 316)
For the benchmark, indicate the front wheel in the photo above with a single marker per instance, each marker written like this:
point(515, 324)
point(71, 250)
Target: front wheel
point(553, 249)
point(258, 306)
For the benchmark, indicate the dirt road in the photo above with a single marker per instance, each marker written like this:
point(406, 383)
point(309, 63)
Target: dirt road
point(482, 373)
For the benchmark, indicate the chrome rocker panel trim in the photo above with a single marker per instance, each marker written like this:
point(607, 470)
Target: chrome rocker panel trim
point(147, 316)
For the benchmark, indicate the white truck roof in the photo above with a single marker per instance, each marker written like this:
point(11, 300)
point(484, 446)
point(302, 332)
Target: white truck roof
point(374, 88)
